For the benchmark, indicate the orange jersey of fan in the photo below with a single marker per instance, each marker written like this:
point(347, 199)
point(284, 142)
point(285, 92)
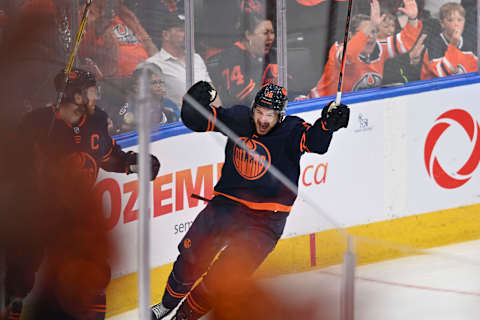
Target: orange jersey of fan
point(443, 59)
point(130, 50)
point(362, 72)
point(118, 49)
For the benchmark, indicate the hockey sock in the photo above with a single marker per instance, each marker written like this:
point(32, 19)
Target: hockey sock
point(14, 309)
point(196, 303)
point(175, 291)
point(191, 309)
point(99, 307)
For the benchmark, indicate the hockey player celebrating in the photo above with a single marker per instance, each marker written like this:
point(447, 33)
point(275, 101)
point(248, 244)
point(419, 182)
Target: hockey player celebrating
point(61, 152)
point(241, 225)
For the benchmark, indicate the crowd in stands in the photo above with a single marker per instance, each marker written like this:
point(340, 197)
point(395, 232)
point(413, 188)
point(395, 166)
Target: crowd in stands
point(162, 109)
point(171, 58)
point(391, 42)
point(389, 47)
point(367, 51)
point(240, 71)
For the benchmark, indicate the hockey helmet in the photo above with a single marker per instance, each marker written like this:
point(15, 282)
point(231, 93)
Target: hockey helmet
point(77, 80)
point(272, 96)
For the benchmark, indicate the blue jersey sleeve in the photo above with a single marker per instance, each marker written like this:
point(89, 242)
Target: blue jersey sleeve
point(308, 138)
point(231, 117)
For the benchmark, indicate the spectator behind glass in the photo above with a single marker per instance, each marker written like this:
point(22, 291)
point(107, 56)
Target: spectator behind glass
point(392, 6)
point(319, 23)
point(150, 13)
point(114, 44)
point(433, 6)
point(217, 22)
point(163, 110)
point(115, 40)
point(240, 71)
point(171, 59)
point(405, 67)
point(447, 52)
point(37, 42)
point(366, 55)
point(386, 28)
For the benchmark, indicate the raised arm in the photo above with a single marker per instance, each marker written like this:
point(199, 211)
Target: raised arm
point(317, 138)
point(203, 93)
point(405, 40)
point(410, 9)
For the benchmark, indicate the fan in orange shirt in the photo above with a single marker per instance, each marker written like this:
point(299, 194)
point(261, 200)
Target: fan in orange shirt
point(115, 40)
point(447, 52)
point(366, 55)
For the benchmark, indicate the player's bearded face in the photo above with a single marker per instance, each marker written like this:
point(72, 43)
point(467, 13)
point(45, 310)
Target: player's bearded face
point(90, 96)
point(85, 102)
point(264, 119)
point(78, 108)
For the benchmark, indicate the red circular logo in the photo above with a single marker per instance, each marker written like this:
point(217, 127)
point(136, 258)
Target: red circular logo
point(434, 169)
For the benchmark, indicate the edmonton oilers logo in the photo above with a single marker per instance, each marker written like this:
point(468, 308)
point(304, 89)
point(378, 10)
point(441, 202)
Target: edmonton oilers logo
point(251, 164)
point(471, 127)
point(85, 165)
point(368, 80)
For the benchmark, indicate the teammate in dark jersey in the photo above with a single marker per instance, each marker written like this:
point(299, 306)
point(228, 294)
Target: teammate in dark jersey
point(79, 130)
point(239, 72)
point(245, 219)
point(67, 147)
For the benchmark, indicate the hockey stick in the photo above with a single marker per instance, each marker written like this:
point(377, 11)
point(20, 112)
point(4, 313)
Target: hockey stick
point(71, 60)
point(196, 196)
point(73, 54)
point(344, 55)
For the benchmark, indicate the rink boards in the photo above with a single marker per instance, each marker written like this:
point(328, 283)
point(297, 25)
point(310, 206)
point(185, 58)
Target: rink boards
point(404, 172)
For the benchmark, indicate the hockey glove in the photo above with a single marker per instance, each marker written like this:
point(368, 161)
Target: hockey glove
point(132, 158)
point(335, 117)
point(202, 92)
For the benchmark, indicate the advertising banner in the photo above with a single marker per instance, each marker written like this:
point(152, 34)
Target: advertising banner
point(443, 150)
point(346, 184)
point(399, 157)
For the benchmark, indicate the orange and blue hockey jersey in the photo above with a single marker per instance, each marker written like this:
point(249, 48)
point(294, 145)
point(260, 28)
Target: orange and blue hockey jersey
point(237, 75)
point(362, 72)
point(86, 146)
point(443, 59)
point(245, 178)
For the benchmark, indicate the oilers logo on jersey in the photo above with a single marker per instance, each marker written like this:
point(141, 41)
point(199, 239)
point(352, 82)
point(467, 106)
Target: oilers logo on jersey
point(251, 166)
point(368, 80)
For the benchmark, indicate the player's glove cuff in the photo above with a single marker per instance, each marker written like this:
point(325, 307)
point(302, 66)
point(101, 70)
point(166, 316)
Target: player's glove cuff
point(202, 92)
point(131, 161)
point(335, 116)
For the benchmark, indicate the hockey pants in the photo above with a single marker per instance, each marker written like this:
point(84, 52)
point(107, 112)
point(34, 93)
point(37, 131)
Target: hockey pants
point(228, 242)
